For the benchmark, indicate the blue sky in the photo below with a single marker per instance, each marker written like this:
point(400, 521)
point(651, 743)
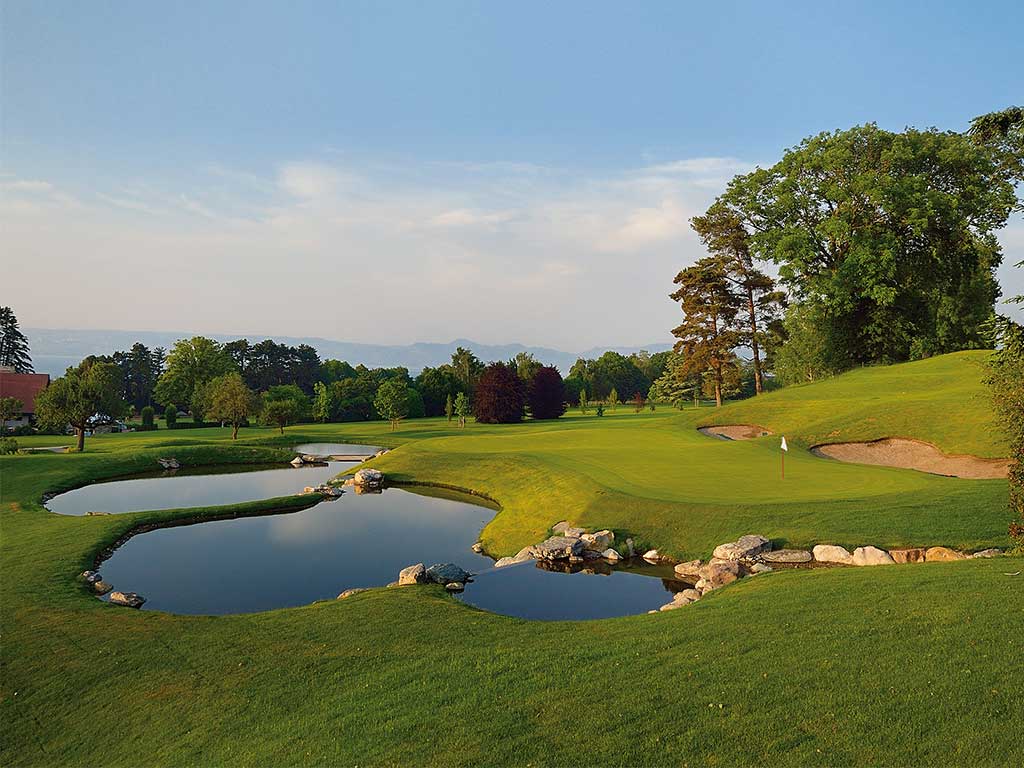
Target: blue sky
point(391, 172)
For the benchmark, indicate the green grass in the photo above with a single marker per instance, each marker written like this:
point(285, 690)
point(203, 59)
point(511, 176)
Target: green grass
point(900, 665)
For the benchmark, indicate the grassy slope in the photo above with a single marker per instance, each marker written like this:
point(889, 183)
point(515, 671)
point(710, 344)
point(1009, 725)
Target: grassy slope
point(940, 400)
point(829, 667)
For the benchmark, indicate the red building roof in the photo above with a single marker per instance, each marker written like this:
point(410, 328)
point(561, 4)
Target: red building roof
point(24, 387)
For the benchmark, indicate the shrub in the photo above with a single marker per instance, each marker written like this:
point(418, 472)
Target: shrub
point(600, 409)
point(500, 395)
point(147, 420)
point(171, 415)
point(547, 394)
point(8, 445)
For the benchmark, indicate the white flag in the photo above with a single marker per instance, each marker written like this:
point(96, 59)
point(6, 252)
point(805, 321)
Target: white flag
point(784, 446)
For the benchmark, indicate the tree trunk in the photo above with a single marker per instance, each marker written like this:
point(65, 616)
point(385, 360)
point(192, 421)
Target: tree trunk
point(281, 427)
point(234, 431)
point(80, 431)
point(718, 385)
point(758, 385)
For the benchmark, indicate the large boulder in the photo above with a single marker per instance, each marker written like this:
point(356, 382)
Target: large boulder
point(350, 592)
point(557, 548)
point(598, 542)
point(524, 554)
point(90, 577)
point(414, 574)
point(368, 478)
point(717, 573)
point(560, 527)
point(943, 554)
point(908, 555)
point(574, 533)
point(744, 548)
point(988, 553)
point(611, 555)
point(787, 556)
point(688, 570)
point(127, 599)
point(652, 556)
point(871, 556)
point(830, 553)
point(102, 587)
point(445, 573)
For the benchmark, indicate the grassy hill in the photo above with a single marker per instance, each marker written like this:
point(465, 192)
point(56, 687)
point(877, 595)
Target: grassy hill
point(941, 400)
point(836, 667)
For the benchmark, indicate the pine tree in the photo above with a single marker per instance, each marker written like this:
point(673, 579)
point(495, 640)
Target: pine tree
point(14, 352)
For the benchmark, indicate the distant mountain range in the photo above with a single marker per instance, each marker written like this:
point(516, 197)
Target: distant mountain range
point(55, 349)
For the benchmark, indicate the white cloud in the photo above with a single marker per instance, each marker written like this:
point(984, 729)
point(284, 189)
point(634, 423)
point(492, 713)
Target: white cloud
point(309, 181)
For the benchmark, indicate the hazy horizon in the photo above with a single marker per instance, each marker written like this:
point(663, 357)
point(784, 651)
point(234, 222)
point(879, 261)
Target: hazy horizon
point(387, 174)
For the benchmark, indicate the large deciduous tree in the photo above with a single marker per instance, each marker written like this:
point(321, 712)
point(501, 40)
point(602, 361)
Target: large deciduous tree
point(708, 334)
point(14, 351)
point(889, 235)
point(546, 393)
point(229, 400)
point(191, 364)
point(392, 401)
point(500, 395)
point(467, 368)
point(83, 397)
point(723, 233)
point(1006, 383)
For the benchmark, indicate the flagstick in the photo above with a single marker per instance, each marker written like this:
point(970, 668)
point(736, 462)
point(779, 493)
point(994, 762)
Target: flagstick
point(783, 453)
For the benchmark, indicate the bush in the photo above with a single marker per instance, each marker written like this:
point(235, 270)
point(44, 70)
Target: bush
point(147, 424)
point(8, 445)
point(171, 416)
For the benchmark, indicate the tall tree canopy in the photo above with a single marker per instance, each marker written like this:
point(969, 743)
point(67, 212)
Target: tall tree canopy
point(708, 333)
point(230, 401)
point(500, 395)
point(890, 234)
point(83, 397)
point(725, 236)
point(610, 371)
point(139, 373)
point(392, 401)
point(467, 368)
point(14, 351)
point(191, 364)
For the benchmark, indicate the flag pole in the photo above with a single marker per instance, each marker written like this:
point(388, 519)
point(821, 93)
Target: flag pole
point(783, 454)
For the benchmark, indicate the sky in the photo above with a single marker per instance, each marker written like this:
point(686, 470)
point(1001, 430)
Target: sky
point(391, 172)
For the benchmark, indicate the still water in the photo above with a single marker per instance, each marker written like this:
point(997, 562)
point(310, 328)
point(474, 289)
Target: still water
point(251, 564)
point(204, 487)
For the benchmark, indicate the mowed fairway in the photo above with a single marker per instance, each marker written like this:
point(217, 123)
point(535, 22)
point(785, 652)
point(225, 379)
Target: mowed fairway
point(916, 664)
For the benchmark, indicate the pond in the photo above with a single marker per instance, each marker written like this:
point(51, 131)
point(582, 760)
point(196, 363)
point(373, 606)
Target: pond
point(250, 564)
point(202, 487)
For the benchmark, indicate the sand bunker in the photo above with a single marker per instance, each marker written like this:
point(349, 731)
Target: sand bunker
point(735, 431)
point(914, 454)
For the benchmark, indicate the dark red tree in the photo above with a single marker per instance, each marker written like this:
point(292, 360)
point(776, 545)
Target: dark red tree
point(546, 394)
point(500, 395)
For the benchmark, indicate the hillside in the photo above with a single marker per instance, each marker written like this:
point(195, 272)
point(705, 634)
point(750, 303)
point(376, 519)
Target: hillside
point(941, 400)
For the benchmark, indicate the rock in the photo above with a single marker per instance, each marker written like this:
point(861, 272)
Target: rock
point(520, 558)
point(350, 592)
point(630, 548)
point(988, 553)
point(127, 599)
point(478, 547)
point(652, 556)
point(455, 586)
point(688, 570)
point(557, 548)
point(297, 461)
point(942, 554)
point(414, 574)
point(671, 606)
point(560, 528)
point(90, 576)
point(744, 548)
point(369, 478)
point(871, 556)
point(575, 559)
point(102, 587)
point(611, 555)
point(443, 573)
point(93, 513)
point(169, 463)
point(787, 556)
point(574, 533)
point(757, 568)
point(830, 553)
point(589, 554)
point(597, 542)
point(688, 594)
point(909, 555)
point(718, 573)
